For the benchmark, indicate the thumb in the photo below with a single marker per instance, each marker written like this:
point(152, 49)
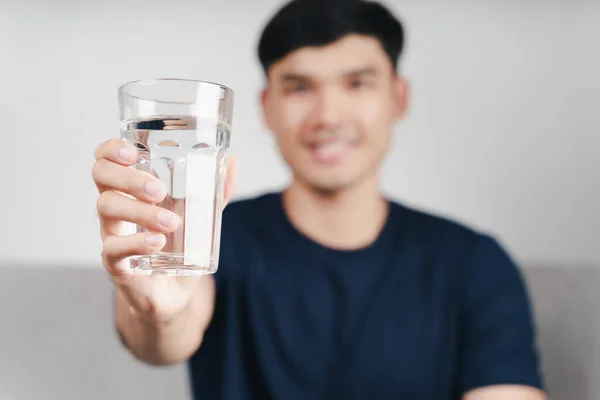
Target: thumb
point(230, 180)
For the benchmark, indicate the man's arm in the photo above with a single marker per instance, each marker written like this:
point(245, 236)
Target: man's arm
point(172, 341)
point(160, 319)
point(506, 392)
point(499, 357)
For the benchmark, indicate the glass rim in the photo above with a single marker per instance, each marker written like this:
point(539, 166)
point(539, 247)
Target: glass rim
point(122, 87)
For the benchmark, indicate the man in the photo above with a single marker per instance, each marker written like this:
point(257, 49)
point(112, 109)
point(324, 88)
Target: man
point(326, 290)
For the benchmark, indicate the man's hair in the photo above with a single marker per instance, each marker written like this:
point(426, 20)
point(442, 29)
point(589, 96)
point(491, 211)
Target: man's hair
point(302, 23)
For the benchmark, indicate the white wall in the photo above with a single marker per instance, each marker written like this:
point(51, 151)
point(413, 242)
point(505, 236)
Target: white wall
point(503, 132)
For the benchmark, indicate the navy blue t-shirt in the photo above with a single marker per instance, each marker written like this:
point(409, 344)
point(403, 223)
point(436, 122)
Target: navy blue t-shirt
point(430, 310)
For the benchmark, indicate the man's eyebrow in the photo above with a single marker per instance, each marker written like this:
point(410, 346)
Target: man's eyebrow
point(294, 77)
point(299, 77)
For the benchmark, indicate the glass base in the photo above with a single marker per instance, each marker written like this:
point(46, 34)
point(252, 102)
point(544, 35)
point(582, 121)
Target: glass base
point(169, 264)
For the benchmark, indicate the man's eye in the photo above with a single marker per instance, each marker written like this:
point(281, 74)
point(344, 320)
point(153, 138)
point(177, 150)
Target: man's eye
point(301, 87)
point(357, 84)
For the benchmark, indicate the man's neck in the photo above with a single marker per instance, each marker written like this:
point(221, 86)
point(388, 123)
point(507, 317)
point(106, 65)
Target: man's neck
point(349, 219)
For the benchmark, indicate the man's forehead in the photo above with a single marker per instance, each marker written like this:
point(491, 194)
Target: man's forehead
point(348, 55)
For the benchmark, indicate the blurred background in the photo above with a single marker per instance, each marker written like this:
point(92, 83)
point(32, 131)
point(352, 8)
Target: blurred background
point(503, 134)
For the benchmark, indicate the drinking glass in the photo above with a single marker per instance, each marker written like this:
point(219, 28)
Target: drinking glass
point(182, 131)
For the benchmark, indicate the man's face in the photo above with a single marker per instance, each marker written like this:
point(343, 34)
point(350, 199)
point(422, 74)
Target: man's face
point(332, 110)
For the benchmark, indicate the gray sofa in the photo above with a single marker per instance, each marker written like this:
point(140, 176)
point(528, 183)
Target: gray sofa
point(57, 340)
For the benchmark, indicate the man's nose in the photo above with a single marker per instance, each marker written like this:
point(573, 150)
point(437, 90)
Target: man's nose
point(328, 107)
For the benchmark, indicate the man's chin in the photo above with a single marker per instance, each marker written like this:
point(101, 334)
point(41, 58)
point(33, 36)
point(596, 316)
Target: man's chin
point(330, 187)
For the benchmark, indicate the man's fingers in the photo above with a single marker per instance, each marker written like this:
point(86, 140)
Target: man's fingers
point(139, 184)
point(116, 248)
point(117, 207)
point(118, 151)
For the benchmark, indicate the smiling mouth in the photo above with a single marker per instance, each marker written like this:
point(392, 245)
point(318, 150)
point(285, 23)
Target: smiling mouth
point(332, 150)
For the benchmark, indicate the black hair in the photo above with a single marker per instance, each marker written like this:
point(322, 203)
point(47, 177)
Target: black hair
point(302, 23)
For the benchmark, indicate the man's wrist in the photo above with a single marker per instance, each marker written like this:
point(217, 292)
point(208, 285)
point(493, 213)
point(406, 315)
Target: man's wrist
point(148, 320)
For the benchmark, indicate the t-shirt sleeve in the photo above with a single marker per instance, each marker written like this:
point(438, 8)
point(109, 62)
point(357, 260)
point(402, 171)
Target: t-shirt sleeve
point(498, 338)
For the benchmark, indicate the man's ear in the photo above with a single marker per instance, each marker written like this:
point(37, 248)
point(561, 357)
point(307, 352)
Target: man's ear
point(264, 102)
point(401, 95)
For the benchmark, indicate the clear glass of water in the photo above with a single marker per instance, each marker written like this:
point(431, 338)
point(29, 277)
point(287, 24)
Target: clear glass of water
point(181, 129)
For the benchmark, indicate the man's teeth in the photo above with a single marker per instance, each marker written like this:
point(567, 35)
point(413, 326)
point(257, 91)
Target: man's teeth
point(331, 149)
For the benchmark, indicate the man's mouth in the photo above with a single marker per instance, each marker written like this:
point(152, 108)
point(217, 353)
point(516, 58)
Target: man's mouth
point(332, 150)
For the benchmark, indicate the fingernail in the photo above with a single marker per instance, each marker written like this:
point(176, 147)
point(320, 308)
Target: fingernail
point(154, 188)
point(167, 219)
point(127, 153)
point(155, 240)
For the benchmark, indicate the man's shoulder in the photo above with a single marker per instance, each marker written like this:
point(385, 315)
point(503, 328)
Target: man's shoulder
point(449, 236)
point(432, 224)
point(494, 314)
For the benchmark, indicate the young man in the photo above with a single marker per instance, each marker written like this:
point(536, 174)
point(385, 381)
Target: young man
point(326, 290)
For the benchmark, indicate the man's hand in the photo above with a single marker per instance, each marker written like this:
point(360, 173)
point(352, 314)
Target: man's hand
point(155, 299)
